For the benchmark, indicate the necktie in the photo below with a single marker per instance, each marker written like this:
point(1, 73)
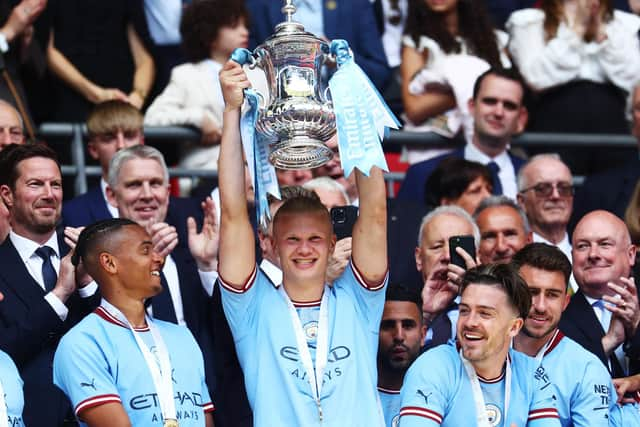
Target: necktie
point(497, 185)
point(162, 305)
point(49, 275)
point(603, 315)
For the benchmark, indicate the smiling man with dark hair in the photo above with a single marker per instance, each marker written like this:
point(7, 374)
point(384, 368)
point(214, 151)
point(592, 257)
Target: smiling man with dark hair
point(484, 380)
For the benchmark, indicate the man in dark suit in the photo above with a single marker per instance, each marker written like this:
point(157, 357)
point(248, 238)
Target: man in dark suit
point(603, 316)
point(352, 20)
point(499, 114)
point(138, 185)
point(112, 126)
point(611, 190)
point(432, 260)
point(43, 298)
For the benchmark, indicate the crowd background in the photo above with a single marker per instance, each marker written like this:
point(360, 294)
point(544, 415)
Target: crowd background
point(476, 73)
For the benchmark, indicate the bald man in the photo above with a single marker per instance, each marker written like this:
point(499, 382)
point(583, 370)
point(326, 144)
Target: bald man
point(603, 315)
point(11, 128)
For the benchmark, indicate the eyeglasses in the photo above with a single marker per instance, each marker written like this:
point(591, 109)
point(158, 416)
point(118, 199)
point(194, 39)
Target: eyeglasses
point(545, 189)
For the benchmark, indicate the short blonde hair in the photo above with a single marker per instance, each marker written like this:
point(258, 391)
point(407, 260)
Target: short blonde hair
point(111, 116)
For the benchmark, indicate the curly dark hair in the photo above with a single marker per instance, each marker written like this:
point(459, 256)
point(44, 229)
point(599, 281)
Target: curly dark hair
point(474, 26)
point(553, 12)
point(202, 20)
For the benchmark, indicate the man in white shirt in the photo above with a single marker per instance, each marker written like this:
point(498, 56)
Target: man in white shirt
point(499, 113)
point(43, 296)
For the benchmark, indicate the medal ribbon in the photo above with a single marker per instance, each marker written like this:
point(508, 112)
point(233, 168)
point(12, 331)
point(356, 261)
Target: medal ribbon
point(478, 398)
point(4, 416)
point(322, 348)
point(544, 348)
point(161, 375)
point(256, 147)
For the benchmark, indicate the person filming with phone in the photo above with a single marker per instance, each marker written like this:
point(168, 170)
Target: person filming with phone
point(433, 257)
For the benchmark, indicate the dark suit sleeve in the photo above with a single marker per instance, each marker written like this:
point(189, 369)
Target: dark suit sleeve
point(24, 336)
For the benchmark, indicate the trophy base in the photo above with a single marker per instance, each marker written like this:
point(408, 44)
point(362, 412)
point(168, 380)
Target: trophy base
point(299, 152)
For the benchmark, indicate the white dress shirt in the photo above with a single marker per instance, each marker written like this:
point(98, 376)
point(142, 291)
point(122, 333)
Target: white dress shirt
point(26, 249)
point(507, 173)
point(112, 210)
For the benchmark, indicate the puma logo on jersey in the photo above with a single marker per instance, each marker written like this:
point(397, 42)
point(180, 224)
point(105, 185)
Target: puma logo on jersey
point(425, 397)
point(92, 384)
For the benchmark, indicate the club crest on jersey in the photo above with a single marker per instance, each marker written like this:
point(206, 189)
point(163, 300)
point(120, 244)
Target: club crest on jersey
point(311, 330)
point(493, 415)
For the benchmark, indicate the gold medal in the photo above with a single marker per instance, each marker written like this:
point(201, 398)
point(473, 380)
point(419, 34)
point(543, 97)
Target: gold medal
point(170, 423)
point(331, 4)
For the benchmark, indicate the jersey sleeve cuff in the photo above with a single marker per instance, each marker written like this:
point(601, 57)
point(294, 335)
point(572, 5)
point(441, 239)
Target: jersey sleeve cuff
point(245, 287)
point(96, 401)
point(543, 413)
point(208, 407)
point(421, 412)
point(368, 286)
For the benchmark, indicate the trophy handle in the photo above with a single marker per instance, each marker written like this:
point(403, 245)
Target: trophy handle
point(263, 104)
point(327, 94)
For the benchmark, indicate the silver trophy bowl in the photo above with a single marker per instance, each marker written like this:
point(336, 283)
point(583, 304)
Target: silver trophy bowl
point(299, 118)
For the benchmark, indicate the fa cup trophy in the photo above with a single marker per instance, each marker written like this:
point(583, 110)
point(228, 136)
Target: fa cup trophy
point(299, 118)
point(289, 128)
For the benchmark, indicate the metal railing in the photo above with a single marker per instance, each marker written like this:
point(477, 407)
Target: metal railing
point(156, 135)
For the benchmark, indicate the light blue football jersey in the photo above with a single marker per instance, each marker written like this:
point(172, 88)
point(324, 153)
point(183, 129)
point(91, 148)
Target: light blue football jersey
point(98, 362)
point(275, 378)
point(437, 391)
point(12, 385)
point(627, 415)
point(583, 385)
point(390, 400)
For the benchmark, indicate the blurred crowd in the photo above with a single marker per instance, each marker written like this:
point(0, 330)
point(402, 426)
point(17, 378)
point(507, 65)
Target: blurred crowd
point(475, 72)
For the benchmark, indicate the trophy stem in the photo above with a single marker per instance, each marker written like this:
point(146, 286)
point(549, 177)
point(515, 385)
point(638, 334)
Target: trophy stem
point(289, 9)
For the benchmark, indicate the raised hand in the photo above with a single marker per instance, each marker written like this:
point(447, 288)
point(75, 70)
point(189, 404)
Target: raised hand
point(164, 237)
point(233, 81)
point(204, 245)
point(339, 259)
point(625, 304)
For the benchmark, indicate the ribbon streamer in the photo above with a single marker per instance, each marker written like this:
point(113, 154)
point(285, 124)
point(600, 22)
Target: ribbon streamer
point(256, 147)
point(362, 116)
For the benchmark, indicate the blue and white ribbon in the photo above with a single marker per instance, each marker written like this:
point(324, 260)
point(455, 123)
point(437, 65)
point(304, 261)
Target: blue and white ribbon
point(363, 118)
point(256, 147)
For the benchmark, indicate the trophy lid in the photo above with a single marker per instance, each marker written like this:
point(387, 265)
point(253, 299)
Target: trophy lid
point(289, 27)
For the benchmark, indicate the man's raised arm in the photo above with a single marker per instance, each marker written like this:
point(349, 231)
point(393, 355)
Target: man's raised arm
point(236, 254)
point(370, 230)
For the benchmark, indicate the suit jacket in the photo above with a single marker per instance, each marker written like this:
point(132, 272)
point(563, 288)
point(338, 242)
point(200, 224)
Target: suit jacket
point(610, 190)
point(579, 322)
point(403, 224)
point(91, 207)
point(416, 177)
point(352, 20)
point(29, 332)
point(85, 209)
